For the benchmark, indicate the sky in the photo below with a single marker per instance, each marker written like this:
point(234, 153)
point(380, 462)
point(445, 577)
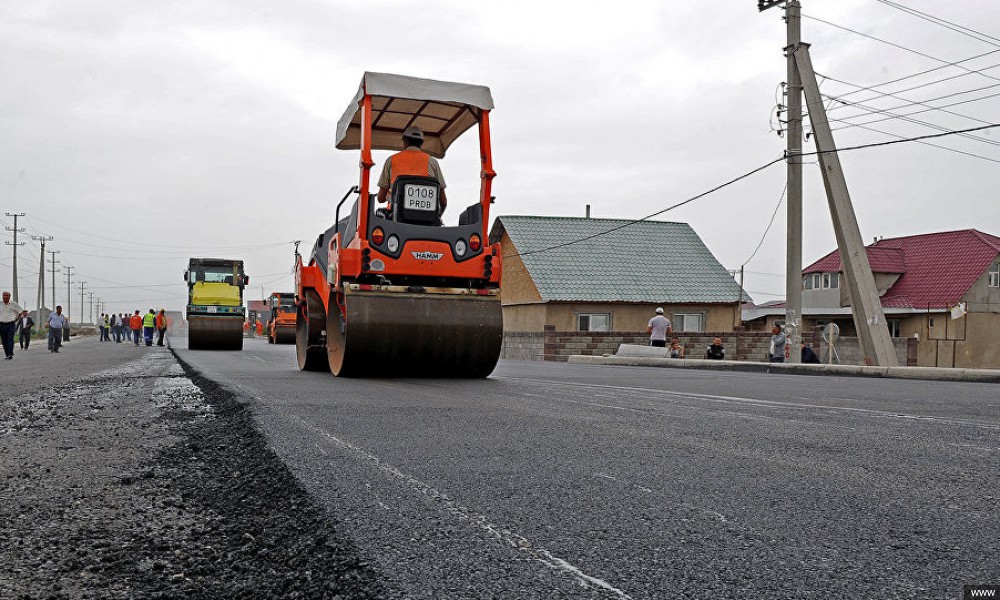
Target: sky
point(139, 134)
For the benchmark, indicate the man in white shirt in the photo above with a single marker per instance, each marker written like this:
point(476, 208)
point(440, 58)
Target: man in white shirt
point(658, 329)
point(9, 313)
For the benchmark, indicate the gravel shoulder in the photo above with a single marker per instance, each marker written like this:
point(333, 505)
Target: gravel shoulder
point(144, 480)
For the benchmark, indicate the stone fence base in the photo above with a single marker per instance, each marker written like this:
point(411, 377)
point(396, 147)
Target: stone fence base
point(558, 346)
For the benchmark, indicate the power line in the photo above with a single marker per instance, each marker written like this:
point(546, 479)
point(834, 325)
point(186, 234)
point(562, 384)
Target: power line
point(901, 140)
point(919, 139)
point(967, 31)
point(907, 118)
point(657, 213)
point(768, 228)
point(924, 103)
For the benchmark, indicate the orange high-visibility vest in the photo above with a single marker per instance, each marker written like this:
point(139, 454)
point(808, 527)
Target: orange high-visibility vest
point(409, 162)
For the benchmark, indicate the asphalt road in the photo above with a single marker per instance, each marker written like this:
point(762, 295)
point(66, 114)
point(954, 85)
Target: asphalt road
point(564, 481)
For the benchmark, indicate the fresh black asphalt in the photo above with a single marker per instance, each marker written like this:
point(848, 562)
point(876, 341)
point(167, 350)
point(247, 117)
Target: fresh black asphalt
point(563, 481)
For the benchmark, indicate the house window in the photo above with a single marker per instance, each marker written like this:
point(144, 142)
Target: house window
point(893, 327)
point(995, 275)
point(593, 322)
point(689, 322)
point(807, 282)
point(831, 281)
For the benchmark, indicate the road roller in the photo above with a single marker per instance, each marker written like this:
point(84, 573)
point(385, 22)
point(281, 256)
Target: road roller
point(281, 318)
point(215, 312)
point(390, 291)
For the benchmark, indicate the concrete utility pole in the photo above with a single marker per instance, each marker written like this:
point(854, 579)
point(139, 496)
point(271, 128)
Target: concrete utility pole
point(92, 319)
point(81, 300)
point(69, 292)
point(41, 278)
point(15, 244)
point(54, 263)
point(793, 157)
point(869, 318)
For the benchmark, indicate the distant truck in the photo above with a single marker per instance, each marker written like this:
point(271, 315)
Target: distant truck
point(215, 312)
point(281, 319)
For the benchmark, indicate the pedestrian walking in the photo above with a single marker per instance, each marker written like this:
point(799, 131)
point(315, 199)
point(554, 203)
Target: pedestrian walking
point(126, 328)
point(148, 325)
point(24, 326)
point(116, 327)
point(658, 329)
point(161, 326)
point(55, 324)
point(106, 330)
point(10, 311)
point(135, 327)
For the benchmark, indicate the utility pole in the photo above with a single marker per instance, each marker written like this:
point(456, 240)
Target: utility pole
point(869, 317)
point(81, 300)
point(15, 244)
point(41, 277)
point(92, 319)
point(54, 263)
point(793, 158)
point(69, 293)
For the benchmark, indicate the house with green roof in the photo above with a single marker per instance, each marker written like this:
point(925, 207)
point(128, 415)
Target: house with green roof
point(609, 275)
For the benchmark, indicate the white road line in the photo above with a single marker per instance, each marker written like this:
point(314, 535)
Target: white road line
point(506, 536)
point(759, 402)
point(258, 358)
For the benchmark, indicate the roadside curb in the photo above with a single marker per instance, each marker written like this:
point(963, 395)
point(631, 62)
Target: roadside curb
point(923, 373)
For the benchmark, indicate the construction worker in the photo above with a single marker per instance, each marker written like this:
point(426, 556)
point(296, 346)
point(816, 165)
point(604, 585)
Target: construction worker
point(411, 161)
point(260, 327)
point(148, 325)
point(135, 326)
point(161, 326)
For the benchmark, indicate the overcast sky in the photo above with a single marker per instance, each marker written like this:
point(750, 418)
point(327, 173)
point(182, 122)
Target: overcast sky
point(138, 134)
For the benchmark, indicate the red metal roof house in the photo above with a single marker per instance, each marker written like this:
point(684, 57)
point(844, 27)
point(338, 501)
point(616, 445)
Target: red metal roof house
point(941, 288)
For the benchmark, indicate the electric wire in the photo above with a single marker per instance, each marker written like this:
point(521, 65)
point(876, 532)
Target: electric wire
point(768, 228)
point(650, 216)
point(909, 119)
point(899, 46)
point(756, 170)
point(966, 31)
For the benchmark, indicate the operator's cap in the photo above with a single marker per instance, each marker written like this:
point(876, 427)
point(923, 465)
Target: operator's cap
point(659, 310)
point(414, 133)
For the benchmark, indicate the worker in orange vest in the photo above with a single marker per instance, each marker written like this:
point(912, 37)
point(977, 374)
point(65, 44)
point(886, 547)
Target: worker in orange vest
point(411, 161)
point(161, 326)
point(260, 327)
point(135, 324)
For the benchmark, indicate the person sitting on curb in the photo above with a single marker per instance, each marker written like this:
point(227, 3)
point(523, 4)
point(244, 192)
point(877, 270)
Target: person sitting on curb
point(716, 351)
point(676, 348)
point(808, 356)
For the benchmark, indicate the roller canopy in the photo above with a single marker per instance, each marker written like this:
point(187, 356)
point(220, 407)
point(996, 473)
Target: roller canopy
point(442, 109)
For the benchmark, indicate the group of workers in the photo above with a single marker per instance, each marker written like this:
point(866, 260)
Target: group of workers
point(134, 328)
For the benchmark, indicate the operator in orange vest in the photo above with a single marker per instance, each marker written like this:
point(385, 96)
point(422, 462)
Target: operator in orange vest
point(411, 161)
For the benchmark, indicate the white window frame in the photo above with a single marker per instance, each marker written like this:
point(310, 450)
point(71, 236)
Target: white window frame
point(831, 281)
point(680, 322)
point(589, 317)
point(995, 275)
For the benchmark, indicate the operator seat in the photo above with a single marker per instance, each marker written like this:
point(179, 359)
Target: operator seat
point(416, 200)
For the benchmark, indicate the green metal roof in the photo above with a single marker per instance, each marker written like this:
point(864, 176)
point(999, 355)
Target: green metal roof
point(646, 261)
